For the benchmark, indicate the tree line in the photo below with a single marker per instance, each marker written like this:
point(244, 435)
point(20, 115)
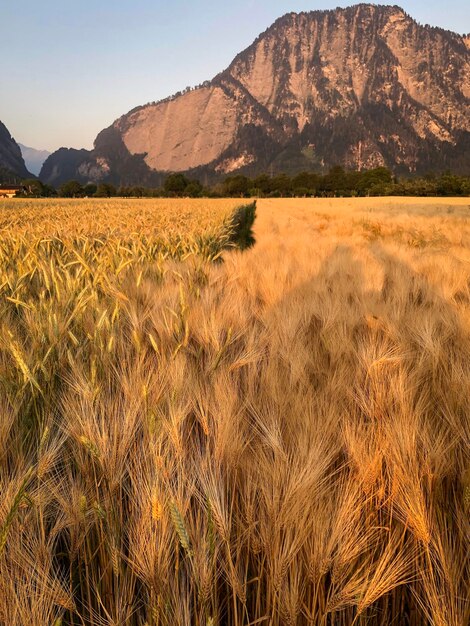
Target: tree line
point(338, 182)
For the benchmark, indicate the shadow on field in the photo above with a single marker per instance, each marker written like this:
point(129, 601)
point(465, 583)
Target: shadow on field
point(242, 227)
point(336, 297)
point(387, 364)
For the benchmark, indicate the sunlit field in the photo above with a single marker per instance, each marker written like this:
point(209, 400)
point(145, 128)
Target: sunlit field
point(199, 435)
point(145, 230)
point(117, 217)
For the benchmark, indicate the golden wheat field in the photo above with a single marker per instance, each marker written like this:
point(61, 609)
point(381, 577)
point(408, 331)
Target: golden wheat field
point(120, 231)
point(273, 436)
point(92, 217)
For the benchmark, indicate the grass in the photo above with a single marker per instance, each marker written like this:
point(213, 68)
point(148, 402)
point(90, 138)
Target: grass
point(281, 438)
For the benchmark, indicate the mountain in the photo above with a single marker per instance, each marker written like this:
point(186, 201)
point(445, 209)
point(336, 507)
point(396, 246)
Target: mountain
point(362, 87)
point(33, 158)
point(12, 165)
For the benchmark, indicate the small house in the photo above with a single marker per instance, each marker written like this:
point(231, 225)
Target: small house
point(9, 191)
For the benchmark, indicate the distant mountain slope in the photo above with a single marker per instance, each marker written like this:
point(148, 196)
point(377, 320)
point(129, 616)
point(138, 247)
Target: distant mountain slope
point(12, 165)
point(363, 86)
point(33, 158)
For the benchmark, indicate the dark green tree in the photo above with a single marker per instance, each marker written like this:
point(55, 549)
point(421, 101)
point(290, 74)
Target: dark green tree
point(71, 189)
point(236, 186)
point(305, 183)
point(449, 185)
point(281, 185)
point(379, 176)
point(175, 184)
point(263, 183)
point(89, 189)
point(105, 190)
point(193, 189)
point(334, 182)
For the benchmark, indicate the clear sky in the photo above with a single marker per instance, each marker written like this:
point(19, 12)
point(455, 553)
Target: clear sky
point(74, 66)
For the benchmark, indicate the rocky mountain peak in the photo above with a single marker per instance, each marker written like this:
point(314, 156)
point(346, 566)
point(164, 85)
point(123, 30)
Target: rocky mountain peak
point(12, 165)
point(361, 86)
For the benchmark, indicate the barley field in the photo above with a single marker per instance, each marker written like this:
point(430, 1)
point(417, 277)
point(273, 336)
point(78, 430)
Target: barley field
point(142, 231)
point(217, 437)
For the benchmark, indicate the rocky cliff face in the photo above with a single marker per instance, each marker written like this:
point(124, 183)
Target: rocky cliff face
point(362, 87)
point(12, 165)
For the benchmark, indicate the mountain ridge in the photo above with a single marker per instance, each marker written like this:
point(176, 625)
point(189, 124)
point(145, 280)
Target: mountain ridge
point(12, 164)
point(33, 158)
point(362, 86)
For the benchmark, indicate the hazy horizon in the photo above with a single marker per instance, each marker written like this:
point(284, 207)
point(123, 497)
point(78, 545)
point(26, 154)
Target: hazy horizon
point(76, 72)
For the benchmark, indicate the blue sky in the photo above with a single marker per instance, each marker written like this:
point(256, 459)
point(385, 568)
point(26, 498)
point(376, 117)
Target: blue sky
point(75, 66)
